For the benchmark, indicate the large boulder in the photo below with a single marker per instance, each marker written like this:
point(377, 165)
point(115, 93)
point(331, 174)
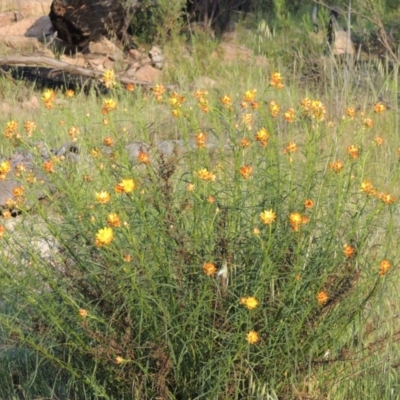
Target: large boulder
point(79, 22)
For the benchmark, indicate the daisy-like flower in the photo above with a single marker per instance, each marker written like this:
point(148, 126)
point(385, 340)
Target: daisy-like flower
point(211, 199)
point(108, 141)
point(252, 337)
point(246, 171)
point(83, 313)
point(274, 108)
point(103, 197)
point(18, 191)
point(205, 175)
point(379, 108)
point(378, 140)
point(309, 203)
point(249, 302)
point(367, 187)
point(247, 121)
point(262, 136)
point(130, 87)
point(318, 110)
point(108, 105)
point(290, 148)
point(267, 217)
point(250, 95)
point(384, 267)
point(73, 133)
point(11, 129)
point(158, 91)
point(144, 158)
point(348, 251)
point(353, 151)
point(190, 187)
point(289, 115)
point(113, 220)
point(125, 186)
point(201, 138)
point(368, 123)
point(48, 166)
point(351, 112)
point(295, 219)
point(48, 97)
point(119, 360)
point(336, 166)
point(226, 101)
point(5, 167)
point(176, 100)
point(69, 94)
point(276, 80)
point(245, 142)
point(387, 198)
point(209, 269)
point(29, 127)
point(108, 78)
point(322, 297)
point(104, 237)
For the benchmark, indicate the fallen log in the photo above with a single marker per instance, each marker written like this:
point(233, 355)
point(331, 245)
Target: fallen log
point(62, 72)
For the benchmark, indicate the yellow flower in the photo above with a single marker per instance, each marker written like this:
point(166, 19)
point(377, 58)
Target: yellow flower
point(125, 186)
point(367, 187)
point(348, 251)
point(205, 175)
point(176, 100)
point(11, 129)
point(104, 237)
point(226, 101)
point(322, 298)
point(296, 219)
point(274, 108)
point(387, 198)
point(250, 95)
point(190, 187)
point(108, 78)
point(267, 217)
point(103, 197)
point(379, 108)
point(384, 267)
point(318, 110)
point(119, 360)
point(48, 95)
point(113, 220)
point(108, 105)
point(249, 302)
point(209, 269)
point(83, 313)
point(262, 136)
point(5, 167)
point(276, 80)
point(246, 171)
point(69, 94)
point(252, 337)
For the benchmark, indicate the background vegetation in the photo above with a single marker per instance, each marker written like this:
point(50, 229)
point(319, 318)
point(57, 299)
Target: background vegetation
point(256, 260)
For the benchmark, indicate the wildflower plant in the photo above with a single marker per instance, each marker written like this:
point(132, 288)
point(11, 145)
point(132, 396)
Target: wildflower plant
point(242, 256)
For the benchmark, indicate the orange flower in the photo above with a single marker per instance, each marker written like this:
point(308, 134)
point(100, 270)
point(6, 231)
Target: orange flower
point(250, 95)
point(113, 220)
point(69, 94)
point(290, 148)
point(2, 231)
point(18, 191)
point(379, 108)
point(351, 112)
point(205, 175)
point(289, 115)
point(318, 110)
point(353, 151)
point(276, 80)
point(245, 142)
point(29, 127)
point(209, 269)
point(368, 123)
point(246, 171)
point(309, 203)
point(367, 187)
point(322, 298)
point(348, 251)
point(211, 199)
point(143, 157)
point(83, 313)
point(384, 267)
point(73, 133)
point(226, 101)
point(108, 105)
point(130, 87)
point(378, 140)
point(108, 141)
point(336, 166)
point(48, 166)
point(387, 198)
point(295, 219)
point(201, 138)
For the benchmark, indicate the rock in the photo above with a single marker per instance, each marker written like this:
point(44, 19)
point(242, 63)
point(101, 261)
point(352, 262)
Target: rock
point(32, 104)
point(105, 47)
point(147, 73)
point(157, 57)
point(230, 52)
point(78, 60)
point(22, 43)
point(30, 27)
point(342, 44)
point(203, 82)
